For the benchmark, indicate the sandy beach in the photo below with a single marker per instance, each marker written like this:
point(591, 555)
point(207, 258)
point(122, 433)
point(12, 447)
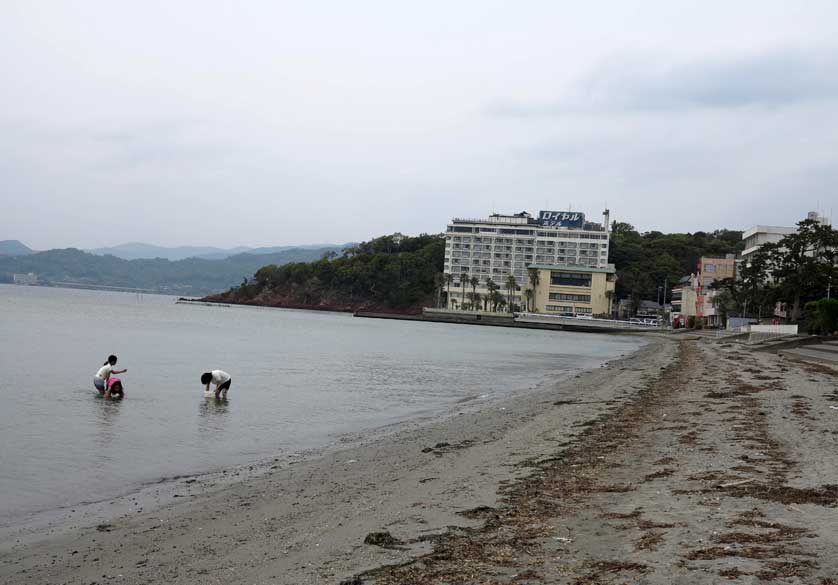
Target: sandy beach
point(686, 462)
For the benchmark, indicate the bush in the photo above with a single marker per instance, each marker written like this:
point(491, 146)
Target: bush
point(822, 316)
point(691, 322)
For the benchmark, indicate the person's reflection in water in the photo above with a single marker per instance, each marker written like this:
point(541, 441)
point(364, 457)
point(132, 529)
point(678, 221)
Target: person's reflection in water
point(212, 414)
point(107, 411)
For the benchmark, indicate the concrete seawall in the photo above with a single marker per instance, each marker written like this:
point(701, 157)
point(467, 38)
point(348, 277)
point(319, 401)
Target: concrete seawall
point(501, 320)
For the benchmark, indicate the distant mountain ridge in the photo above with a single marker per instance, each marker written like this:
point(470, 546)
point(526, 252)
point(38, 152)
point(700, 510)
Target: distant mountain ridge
point(189, 276)
point(141, 250)
point(14, 248)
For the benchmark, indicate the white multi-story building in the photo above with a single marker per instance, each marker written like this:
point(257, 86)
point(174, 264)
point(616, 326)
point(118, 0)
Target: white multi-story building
point(759, 235)
point(504, 245)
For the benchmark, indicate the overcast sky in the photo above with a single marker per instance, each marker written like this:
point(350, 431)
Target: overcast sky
point(267, 123)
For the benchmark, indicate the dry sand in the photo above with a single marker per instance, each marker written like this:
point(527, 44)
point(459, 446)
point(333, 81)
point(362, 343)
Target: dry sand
point(687, 462)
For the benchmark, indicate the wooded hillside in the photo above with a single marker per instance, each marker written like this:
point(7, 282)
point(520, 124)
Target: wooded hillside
point(387, 273)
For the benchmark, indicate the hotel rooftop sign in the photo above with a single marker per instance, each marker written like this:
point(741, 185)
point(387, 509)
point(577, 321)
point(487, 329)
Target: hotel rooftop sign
point(568, 219)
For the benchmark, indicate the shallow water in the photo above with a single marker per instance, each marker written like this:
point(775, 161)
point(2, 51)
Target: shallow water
point(301, 379)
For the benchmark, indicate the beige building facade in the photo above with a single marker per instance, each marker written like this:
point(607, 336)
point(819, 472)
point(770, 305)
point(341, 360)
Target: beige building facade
point(709, 271)
point(573, 290)
point(684, 300)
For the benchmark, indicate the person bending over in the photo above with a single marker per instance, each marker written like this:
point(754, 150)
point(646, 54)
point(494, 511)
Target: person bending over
point(220, 378)
point(100, 380)
point(115, 390)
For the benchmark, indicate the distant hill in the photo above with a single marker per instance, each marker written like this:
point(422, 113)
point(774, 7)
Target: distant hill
point(189, 277)
point(14, 248)
point(140, 250)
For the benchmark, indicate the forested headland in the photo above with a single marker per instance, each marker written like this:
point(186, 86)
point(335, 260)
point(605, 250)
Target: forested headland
point(389, 273)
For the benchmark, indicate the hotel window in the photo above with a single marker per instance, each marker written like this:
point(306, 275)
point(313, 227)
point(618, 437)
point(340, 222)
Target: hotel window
point(560, 309)
point(570, 279)
point(583, 310)
point(567, 297)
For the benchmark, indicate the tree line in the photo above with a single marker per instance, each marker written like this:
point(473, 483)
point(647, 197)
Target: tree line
point(647, 263)
point(800, 271)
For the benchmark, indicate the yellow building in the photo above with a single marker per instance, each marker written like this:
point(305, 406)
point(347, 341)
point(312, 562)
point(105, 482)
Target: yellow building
point(572, 290)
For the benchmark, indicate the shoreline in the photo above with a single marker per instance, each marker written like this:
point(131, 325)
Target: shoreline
point(156, 493)
point(688, 461)
point(200, 489)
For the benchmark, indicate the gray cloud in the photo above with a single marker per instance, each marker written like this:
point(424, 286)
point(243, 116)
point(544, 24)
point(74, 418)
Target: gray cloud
point(159, 143)
point(275, 125)
point(648, 83)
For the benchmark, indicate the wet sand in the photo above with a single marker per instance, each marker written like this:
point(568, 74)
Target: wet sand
point(687, 462)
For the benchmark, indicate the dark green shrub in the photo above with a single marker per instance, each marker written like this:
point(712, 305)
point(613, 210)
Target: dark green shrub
point(822, 316)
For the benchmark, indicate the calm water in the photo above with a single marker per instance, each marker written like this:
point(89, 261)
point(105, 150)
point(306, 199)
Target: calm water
point(300, 380)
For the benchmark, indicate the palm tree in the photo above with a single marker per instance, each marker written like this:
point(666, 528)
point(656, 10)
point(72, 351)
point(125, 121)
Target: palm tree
point(475, 300)
point(511, 287)
point(439, 279)
point(534, 277)
point(474, 282)
point(463, 282)
point(449, 278)
point(491, 287)
point(528, 294)
point(497, 298)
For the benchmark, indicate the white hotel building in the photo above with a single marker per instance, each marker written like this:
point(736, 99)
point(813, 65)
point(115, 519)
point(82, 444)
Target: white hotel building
point(506, 244)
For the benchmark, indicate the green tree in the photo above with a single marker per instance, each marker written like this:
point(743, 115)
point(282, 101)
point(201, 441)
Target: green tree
point(439, 283)
point(401, 273)
point(756, 291)
point(725, 304)
point(492, 287)
point(645, 261)
point(528, 297)
point(449, 278)
point(822, 316)
point(474, 282)
point(802, 263)
point(464, 283)
point(533, 275)
point(511, 287)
